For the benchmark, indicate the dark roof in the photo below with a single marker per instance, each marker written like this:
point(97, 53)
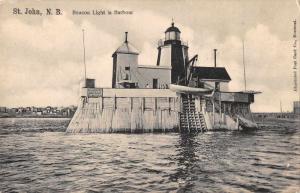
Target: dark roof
point(172, 28)
point(211, 73)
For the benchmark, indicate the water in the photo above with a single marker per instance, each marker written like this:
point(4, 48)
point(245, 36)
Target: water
point(37, 156)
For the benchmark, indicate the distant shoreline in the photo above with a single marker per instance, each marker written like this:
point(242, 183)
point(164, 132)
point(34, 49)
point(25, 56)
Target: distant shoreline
point(3, 117)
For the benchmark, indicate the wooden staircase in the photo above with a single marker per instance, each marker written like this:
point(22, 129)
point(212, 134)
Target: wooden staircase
point(190, 120)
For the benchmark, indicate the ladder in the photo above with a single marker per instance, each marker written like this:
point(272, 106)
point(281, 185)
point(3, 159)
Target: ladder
point(190, 119)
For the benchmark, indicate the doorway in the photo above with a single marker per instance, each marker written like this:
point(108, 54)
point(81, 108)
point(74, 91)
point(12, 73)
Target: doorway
point(155, 83)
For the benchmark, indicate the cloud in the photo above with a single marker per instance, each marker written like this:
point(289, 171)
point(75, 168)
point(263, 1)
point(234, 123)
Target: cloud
point(269, 68)
point(43, 62)
point(268, 62)
point(147, 34)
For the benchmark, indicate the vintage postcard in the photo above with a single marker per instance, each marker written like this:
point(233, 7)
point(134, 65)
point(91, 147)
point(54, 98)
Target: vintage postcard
point(149, 96)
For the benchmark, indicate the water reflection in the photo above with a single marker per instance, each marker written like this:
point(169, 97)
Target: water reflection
point(186, 158)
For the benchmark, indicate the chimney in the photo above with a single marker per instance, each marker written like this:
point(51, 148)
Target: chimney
point(126, 34)
point(217, 84)
point(215, 57)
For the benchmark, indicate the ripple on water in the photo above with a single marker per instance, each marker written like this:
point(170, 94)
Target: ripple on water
point(37, 156)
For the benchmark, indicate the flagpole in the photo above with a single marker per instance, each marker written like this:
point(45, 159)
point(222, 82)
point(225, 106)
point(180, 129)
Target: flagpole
point(245, 83)
point(84, 54)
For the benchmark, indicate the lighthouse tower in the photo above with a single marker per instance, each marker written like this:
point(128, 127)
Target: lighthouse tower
point(173, 52)
point(125, 64)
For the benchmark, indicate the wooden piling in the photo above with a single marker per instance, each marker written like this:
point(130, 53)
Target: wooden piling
point(111, 114)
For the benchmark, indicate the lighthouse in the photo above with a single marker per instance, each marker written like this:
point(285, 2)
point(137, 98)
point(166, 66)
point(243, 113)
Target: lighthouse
point(173, 52)
point(171, 67)
point(172, 94)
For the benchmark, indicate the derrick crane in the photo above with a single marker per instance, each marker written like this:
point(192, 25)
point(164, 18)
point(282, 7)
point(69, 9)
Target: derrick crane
point(189, 70)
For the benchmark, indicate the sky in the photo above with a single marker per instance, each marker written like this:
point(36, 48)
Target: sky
point(41, 56)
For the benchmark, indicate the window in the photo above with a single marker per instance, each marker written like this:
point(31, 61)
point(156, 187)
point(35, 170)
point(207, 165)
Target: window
point(172, 35)
point(168, 36)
